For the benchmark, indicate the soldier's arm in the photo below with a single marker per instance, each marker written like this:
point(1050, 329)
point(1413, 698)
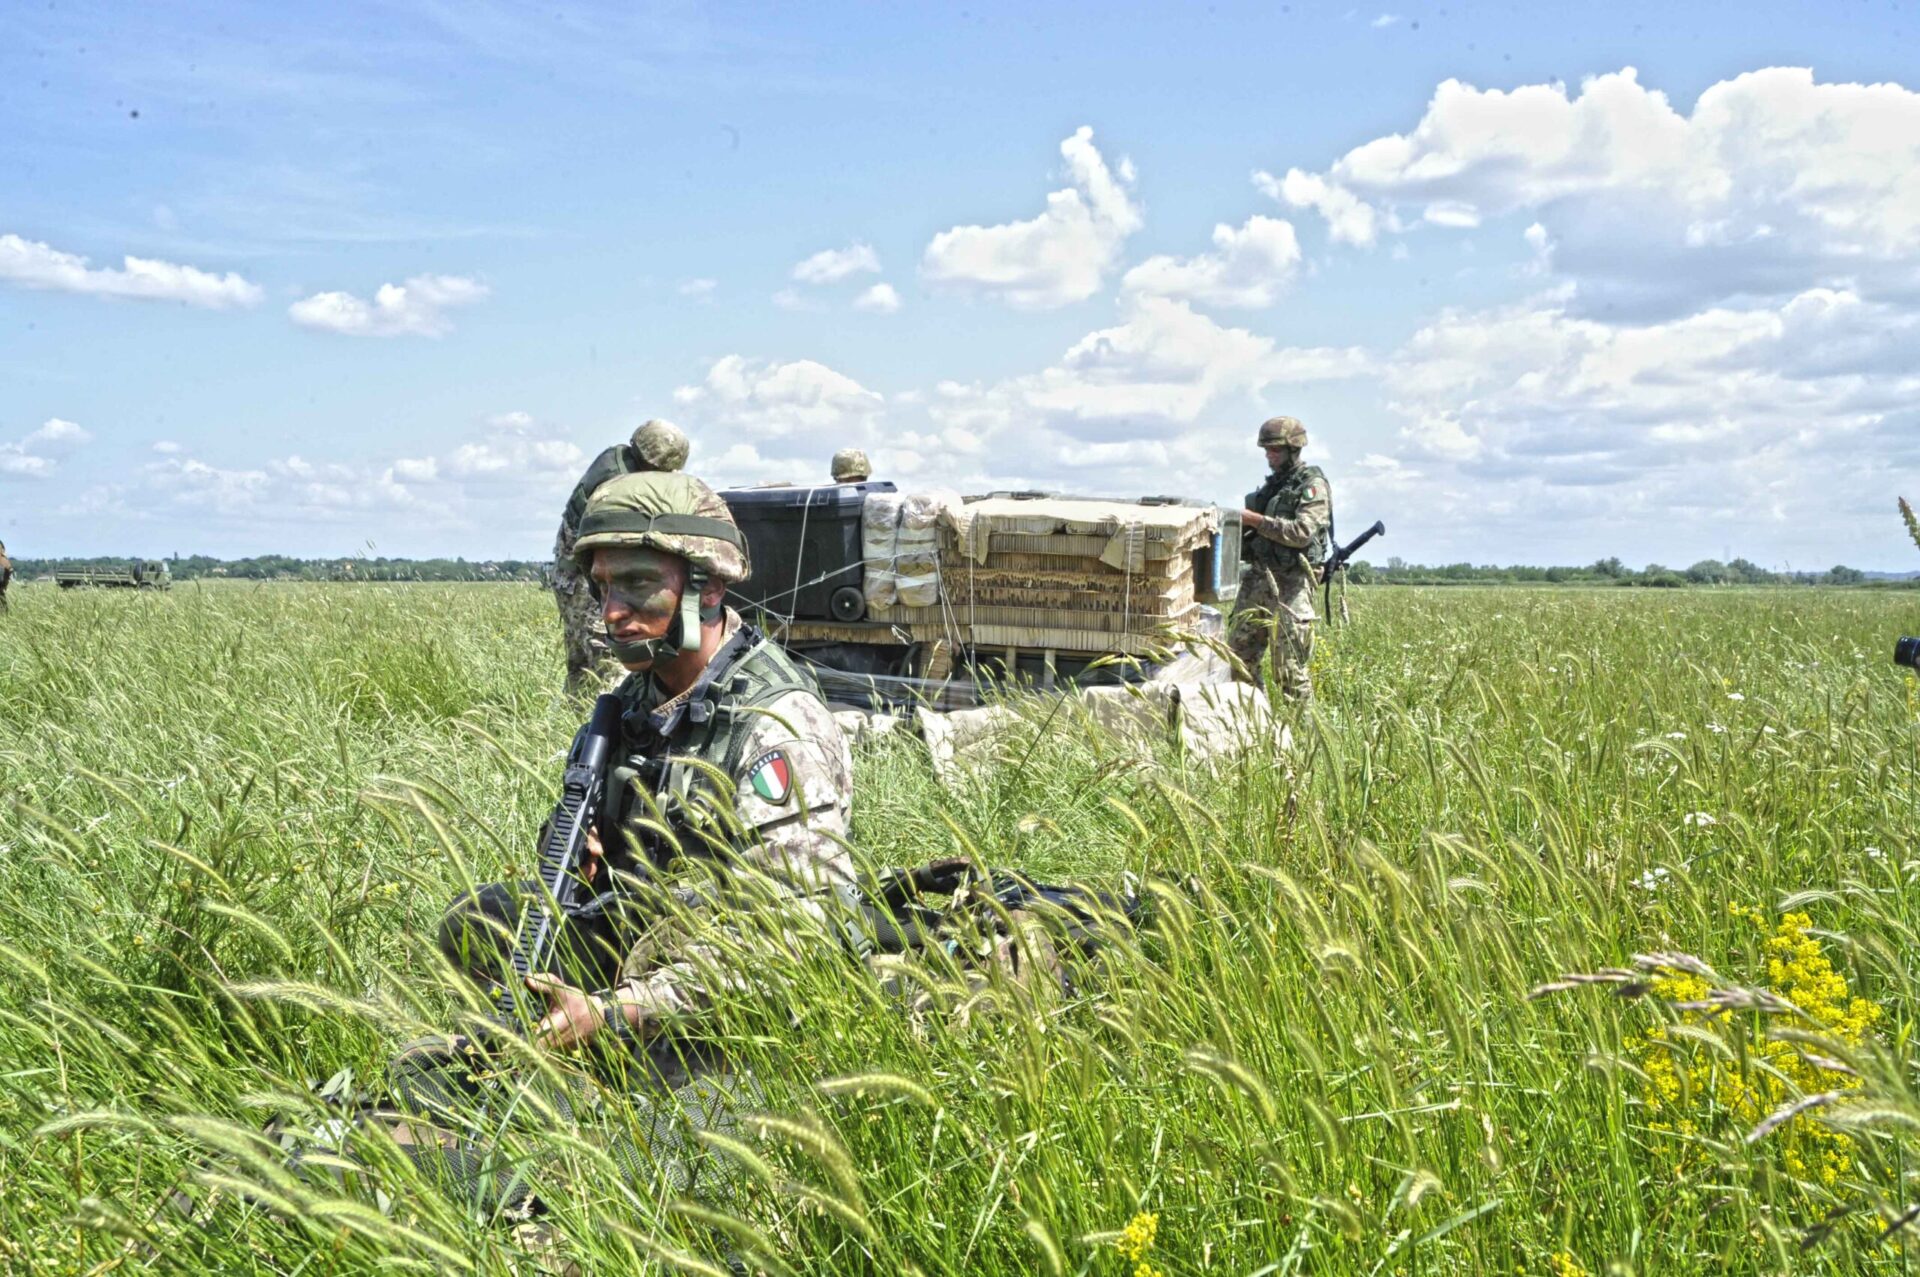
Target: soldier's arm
point(792, 804)
point(1309, 522)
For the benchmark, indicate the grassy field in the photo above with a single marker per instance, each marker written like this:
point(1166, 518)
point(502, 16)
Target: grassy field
point(235, 812)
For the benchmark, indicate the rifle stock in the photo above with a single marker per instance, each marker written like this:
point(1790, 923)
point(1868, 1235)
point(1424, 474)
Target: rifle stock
point(1338, 559)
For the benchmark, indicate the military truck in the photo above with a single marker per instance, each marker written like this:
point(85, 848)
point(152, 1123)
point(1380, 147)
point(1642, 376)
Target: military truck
point(141, 574)
point(929, 595)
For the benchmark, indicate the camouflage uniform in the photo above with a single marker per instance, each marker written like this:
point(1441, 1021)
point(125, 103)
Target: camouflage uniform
point(1281, 561)
point(784, 813)
point(850, 465)
point(656, 445)
point(753, 717)
point(744, 775)
point(6, 575)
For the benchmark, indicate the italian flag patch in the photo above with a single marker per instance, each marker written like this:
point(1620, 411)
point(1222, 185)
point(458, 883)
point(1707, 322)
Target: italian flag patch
point(772, 778)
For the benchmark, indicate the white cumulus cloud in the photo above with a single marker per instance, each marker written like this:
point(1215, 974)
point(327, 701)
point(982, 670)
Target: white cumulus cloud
point(1162, 399)
point(509, 476)
point(56, 433)
point(32, 264)
point(1349, 220)
point(1250, 267)
point(417, 308)
point(881, 299)
point(513, 446)
point(1771, 184)
point(1702, 423)
point(1061, 256)
point(37, 454)
point(831, 265)
point(766, 399)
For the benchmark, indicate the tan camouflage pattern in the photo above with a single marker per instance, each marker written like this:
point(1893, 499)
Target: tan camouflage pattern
point(1282, 432)
point(657, 492)
point(1274, 612)
point(850, 465)
point(590, 663)
point(6, 575)
point(660, 445)
point(795, 846)
point(801, 837)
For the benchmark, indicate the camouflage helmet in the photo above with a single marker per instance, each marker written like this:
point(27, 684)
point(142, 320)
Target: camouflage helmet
point(850, 465)
point(668, 511)
point(1282, 432)
point(660, 445)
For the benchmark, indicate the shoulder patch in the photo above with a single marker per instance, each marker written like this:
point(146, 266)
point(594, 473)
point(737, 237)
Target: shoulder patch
point(1315, 491)
point(771, 777)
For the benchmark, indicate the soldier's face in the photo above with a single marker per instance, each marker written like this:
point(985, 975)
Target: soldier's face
point(639, 591)
point(1280, 457)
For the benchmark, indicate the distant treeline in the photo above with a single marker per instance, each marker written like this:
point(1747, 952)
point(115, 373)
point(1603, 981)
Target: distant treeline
point(1614, 572)
point(279, 567)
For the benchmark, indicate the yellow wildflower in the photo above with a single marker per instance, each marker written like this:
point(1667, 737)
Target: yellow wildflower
point(1562, 1264)
point(1136, 1239)
point(1692, 1091)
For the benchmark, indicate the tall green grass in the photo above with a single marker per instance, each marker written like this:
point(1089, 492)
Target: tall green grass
point(236, 812)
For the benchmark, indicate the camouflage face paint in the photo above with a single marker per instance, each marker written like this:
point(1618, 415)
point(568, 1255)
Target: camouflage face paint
point(650, 587)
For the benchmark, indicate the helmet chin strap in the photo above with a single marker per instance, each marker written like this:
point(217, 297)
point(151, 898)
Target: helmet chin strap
point(682, 636)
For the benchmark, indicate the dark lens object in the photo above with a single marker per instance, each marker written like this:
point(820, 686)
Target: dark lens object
point(1907, 652)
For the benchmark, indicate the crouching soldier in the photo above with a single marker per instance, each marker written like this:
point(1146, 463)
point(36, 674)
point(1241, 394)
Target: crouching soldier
point(727, 754)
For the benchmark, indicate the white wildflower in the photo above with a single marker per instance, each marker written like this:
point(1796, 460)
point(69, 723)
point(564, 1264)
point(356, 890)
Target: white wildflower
point(1652, 878)
point(1676, 735)
point(1736, 696)
point(1768, 731)
point(1716, 729)
point(1699, 819)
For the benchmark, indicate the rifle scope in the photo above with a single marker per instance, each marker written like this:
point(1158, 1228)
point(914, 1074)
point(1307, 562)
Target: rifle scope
point(1907, 652)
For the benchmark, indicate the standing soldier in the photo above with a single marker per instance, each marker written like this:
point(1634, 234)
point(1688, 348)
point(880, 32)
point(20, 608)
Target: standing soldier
point(656, 445)
point(6, 575)
point(1285, 524)
point(850, 465)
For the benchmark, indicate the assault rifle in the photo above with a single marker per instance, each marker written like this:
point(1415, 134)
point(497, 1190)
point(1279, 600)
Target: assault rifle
point(1337, 562)
point(563, 848)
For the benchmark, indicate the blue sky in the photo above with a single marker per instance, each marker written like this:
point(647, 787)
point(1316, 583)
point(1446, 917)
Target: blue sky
point(1545, 284)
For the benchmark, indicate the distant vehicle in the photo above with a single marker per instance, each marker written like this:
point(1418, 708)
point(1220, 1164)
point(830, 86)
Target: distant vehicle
point(142, 574)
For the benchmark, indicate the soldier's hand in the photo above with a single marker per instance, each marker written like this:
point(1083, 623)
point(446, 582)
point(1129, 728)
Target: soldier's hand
point(1250, 518)
point(572, 1017)
point(594, 854)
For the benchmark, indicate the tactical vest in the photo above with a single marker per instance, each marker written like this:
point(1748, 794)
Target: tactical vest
point(1281, 497)
point(671, 793)
point(610, 464)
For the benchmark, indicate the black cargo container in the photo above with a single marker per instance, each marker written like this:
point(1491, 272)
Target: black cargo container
point(805, 544)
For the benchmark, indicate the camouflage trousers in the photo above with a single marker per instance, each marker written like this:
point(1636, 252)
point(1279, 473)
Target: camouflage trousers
point(1274, 615)
point(590, 663)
